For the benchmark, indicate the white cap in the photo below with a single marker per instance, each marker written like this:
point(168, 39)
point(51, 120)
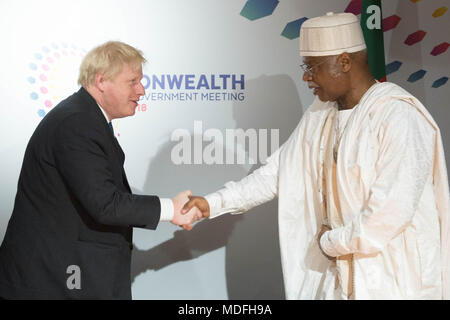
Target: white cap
point(331, 34)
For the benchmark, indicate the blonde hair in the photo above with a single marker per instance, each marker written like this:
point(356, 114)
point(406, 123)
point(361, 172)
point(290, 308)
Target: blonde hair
point(108, 59)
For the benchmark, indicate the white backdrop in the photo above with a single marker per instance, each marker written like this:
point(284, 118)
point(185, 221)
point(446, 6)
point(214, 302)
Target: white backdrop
point(232, 257)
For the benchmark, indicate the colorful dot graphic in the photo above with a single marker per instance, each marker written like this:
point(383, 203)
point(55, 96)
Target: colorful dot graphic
point(414, 38)
point(392, 67)
point(42, 67)
point(439, 49)
point(440, 82)
point(439, 12)
point(257, 9)
point(292, 29)
point(416, 76)
point(391, 22)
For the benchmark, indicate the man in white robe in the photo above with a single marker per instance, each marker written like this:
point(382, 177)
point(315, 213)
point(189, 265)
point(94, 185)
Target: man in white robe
point(362, 182)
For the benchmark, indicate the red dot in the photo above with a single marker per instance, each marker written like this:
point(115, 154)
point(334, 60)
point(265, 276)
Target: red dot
point(50, 60)
point(48, 103)
point(45, 67)
point(44, 90)
point(57, 55)
point(43, 77)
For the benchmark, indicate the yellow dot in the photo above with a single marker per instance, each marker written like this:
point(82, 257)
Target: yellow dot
point(439, 12)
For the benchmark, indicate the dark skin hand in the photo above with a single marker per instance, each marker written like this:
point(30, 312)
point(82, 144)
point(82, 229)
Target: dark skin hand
point(200, 203)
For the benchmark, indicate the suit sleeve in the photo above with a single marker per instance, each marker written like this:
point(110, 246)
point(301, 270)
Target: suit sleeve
point(85, 167)
point(403, 167)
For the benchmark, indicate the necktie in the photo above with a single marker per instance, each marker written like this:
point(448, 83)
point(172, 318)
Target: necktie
point(111, 127)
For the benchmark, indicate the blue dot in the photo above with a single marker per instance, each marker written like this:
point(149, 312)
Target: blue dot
point(64, 45)
point(31, 80)
point(33, 66)
point(41, 113)
point(45, 49)
point(34, 96)
point(74, 47)
point(38, 56)
point(55, 46)
point(440, 82)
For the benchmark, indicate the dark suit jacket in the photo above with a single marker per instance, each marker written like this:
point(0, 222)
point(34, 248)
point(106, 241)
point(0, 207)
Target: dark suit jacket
point(73, 207)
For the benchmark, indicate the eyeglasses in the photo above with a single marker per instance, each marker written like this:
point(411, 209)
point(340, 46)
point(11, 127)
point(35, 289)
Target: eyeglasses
point(311, 70)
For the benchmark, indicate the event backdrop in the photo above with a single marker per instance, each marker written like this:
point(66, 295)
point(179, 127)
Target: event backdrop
point(223, 90)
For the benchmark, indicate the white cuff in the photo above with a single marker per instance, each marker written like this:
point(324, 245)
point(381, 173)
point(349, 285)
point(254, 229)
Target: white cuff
point(215, 204)
point(167, 209)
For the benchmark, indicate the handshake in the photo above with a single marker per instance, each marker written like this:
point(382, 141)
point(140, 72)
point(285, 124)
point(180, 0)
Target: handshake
point(188, 209)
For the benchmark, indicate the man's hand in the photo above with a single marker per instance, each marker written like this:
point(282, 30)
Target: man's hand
point(198, 202)
point(188, 217)
point(324, 229)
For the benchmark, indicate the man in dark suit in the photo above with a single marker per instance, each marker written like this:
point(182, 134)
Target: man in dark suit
point(70, 234)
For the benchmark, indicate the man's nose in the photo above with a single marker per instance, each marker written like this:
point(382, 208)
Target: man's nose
point(140, 89)
point(307, 76)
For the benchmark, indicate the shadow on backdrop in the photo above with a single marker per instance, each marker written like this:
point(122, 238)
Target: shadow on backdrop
point(253, 264)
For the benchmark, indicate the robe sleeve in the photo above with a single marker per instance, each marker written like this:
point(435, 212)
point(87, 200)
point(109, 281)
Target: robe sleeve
point(257, 188)
point(403, 167)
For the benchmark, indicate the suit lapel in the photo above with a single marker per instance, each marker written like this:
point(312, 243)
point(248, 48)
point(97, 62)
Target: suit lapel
point(118, 150)
point(122, 161)
point(93, 107)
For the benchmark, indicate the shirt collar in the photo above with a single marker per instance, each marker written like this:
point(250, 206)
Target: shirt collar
point(104, 113)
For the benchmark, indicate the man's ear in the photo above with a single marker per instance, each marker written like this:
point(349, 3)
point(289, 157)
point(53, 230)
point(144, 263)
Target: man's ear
point(345, 62)
point(100, 82)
